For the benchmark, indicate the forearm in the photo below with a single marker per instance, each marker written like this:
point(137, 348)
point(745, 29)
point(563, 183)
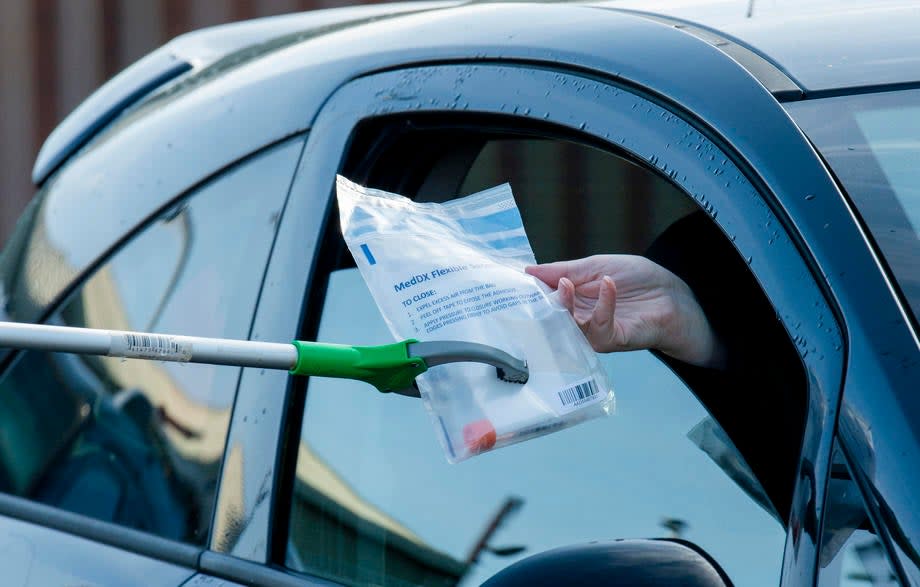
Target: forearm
point(687, 334)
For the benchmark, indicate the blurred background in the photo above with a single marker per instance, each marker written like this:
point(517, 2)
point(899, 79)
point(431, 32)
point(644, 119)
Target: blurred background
point(54, 53)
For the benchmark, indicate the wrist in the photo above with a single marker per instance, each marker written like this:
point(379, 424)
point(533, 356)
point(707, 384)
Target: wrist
point(686, 333)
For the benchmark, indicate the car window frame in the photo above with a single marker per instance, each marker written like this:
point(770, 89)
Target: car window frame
point(367, 98)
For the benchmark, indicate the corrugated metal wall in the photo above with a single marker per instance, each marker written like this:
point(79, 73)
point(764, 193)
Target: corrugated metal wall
point(54, 53)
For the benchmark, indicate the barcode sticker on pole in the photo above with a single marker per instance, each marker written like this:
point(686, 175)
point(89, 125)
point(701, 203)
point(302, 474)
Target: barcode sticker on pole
point(137, 345)
point(578, 395)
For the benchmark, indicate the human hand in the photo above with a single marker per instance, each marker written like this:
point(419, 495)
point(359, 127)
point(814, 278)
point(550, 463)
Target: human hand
point(627, 302)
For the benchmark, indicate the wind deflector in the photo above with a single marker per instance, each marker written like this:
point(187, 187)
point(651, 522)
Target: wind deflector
point(103, 106)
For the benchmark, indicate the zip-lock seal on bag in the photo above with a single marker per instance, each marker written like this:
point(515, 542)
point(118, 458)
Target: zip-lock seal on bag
point(455, 271)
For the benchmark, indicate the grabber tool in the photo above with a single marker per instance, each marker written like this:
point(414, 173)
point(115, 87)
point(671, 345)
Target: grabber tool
point(389, 367)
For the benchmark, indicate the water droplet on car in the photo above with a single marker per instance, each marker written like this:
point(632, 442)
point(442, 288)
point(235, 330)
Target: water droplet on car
point(582, 126)
point(810, 197)
point(749, 259)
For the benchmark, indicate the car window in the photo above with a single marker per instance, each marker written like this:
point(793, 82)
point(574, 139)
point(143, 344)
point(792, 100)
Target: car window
point(139, 443)
point(851, 554)
point(870, 142)
point(374, 500)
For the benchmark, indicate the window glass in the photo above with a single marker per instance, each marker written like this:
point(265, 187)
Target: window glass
point(375, 502)
point(851, 554)
point(871, 142)
point(139, 443)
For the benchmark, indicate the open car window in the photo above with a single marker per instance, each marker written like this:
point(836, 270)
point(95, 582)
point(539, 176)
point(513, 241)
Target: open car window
point(373, 499)
point(776, 418)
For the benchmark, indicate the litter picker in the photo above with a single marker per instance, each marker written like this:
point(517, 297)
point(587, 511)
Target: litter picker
point(389, 368)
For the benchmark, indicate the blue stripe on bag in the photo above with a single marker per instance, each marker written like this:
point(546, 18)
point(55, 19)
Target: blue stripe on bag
point(509, 243)
point(367, 253)
point(498, 222)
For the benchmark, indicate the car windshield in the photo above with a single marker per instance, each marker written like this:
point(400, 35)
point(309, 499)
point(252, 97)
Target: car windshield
point(872, 143)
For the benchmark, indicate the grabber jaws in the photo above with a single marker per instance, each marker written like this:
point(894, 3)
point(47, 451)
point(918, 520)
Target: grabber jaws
point(436, 353)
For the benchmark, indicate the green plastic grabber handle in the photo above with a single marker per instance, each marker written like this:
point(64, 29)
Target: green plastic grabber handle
point(387, 367)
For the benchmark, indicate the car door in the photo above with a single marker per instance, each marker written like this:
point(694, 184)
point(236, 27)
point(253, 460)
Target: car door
point(357, 493)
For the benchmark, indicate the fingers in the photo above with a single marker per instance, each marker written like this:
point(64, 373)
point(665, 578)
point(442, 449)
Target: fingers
point(567, 295)
point(602, 316)
point(601, 327)
point(551, 273)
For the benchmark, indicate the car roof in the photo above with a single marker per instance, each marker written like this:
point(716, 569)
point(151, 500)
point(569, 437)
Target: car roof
point(795, 50)
point(825, 47)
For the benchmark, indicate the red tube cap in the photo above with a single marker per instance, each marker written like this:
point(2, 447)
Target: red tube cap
point(479, 436)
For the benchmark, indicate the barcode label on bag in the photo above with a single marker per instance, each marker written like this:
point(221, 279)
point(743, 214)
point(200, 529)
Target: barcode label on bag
point(579, 394)
point(134, 345)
